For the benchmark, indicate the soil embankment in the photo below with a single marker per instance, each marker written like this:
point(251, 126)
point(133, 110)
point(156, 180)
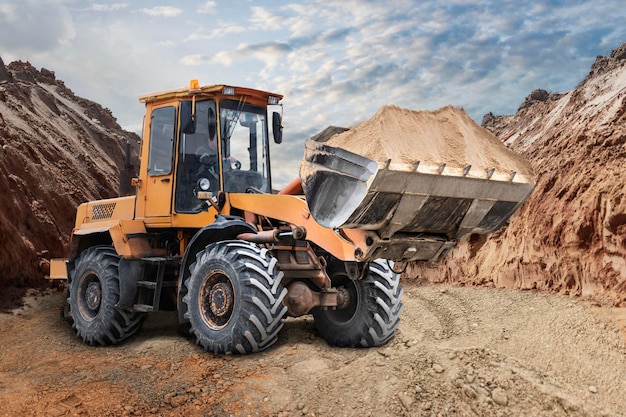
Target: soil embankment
point(57, 150)
point(570, 235)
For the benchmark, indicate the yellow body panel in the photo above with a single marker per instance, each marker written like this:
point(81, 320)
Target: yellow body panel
point(128, 236)
point(192, 221)
point(121, 208)
point(127, 246)
point(58, 268)
point(154, 193)
point(294, 210)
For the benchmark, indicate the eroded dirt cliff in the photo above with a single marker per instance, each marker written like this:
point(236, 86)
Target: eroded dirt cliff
point(57, 150)
point(570, 235)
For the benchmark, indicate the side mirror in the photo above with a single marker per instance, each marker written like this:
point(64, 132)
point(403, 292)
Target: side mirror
point(187, 117)
point(277, 127)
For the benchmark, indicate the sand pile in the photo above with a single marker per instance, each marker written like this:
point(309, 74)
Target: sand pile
point(432, 138)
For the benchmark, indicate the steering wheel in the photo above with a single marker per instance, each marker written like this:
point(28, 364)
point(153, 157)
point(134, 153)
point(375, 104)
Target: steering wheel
point(204, 157)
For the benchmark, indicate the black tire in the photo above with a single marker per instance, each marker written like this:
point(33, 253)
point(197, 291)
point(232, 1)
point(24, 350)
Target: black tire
point(234, 298)
point(94, 291)
point(373, 313)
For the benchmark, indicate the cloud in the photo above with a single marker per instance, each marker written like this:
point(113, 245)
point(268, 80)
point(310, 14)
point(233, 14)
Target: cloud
point(270, 53)
point(264, 19)
point(38, 27)
point(221, 31)
point(207, 7)
point(194, 60)
point(225, 58)
point(163, 11)
point(8, 11)
point(98, 7)
point(340, 61)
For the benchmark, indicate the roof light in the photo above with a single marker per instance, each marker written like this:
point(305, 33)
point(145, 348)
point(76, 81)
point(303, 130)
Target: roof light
point(194, 85)
point(229, 91)
point(272, 100)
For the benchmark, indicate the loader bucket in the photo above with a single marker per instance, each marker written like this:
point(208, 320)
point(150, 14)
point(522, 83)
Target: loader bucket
point(441, 192)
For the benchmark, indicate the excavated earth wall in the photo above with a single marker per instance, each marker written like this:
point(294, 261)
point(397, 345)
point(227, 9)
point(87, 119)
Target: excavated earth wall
point(570, 235)
point(57, 150)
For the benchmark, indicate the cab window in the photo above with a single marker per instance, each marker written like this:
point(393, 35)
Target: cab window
point(162, 128)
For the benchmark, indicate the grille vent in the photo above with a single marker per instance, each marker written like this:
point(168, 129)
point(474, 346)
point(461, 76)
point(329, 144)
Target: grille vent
point(103, 211)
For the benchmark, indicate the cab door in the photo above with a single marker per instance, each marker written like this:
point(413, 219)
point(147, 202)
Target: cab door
point(158, 187)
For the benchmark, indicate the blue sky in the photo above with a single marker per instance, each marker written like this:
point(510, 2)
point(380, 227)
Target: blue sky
point(336, 62)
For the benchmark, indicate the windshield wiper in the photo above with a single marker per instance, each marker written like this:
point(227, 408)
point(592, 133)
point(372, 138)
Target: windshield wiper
point(232, 122)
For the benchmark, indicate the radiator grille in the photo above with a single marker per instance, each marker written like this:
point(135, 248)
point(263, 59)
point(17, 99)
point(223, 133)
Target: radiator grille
point(103, 211)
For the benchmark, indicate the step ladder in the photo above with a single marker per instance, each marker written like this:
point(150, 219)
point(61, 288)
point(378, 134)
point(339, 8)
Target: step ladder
point(152, 282)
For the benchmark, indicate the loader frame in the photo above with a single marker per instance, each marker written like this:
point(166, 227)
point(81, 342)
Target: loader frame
point(157, 250)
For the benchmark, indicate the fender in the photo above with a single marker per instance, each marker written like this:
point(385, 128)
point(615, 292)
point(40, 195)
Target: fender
point(127, 236)
point(223, 228)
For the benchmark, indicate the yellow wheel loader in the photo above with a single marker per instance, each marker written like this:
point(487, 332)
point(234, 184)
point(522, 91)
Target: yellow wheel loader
point(205, 235)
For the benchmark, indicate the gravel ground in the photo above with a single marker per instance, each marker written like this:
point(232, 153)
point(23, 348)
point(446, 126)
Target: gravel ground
point(458, 352)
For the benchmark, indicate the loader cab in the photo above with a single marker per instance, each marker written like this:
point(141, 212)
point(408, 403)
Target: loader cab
point(201, 142)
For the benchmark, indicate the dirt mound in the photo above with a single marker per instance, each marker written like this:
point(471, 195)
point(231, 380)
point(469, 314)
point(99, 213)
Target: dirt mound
point(57, 150)
point(570, 235)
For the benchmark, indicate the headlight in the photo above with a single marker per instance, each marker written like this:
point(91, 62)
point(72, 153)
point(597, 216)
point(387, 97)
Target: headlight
point(204, 184)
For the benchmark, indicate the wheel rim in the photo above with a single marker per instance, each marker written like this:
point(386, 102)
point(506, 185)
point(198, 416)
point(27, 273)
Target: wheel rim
point(89, 296)
point(216, 300)
point(344, 315)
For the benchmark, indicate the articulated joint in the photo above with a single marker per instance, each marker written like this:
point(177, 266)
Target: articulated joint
point(301, 299)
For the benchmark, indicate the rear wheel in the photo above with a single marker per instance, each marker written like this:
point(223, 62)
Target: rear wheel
point(94, 291)
point(234, 298)
point(372, 313)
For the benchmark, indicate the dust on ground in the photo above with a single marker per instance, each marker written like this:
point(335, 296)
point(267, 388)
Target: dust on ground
point(458, 352)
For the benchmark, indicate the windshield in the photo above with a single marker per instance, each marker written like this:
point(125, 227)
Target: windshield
point(244, 144)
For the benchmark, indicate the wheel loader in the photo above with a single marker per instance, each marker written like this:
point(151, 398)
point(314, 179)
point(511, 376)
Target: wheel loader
point(205, 234)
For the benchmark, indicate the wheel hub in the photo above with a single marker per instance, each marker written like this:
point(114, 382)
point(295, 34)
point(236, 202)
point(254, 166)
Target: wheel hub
point(93, 295)
point(217, 300)
point(343, 298)
point(220, 299)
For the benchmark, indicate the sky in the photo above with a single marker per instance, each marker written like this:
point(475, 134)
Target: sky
point(335, 61)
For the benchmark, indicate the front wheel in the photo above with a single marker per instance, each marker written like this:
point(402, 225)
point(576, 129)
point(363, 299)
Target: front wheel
point(372, 313)
point(94, 291)
point(234, 298)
